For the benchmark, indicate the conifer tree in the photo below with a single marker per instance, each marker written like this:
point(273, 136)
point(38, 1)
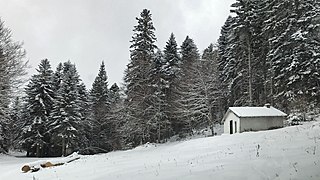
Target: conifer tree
point(209, 92)
point(66, 124)
point(117, 118)
point(172, 74)
point(85, 134)
point(159, 122)
point(136, 79)
point(39, 103)
point(189, 58)
point(100, 107)
point(227, 61)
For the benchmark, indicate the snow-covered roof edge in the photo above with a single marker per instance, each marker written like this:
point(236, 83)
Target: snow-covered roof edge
point(254, 112)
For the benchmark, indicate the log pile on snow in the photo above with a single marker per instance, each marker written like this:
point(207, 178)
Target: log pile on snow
point(37, 165)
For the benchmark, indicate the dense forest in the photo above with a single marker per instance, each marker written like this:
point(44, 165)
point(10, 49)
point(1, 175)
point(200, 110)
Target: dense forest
point(268, 52)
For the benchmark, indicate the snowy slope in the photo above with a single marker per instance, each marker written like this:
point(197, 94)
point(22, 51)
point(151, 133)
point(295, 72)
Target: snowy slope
point(288, 153)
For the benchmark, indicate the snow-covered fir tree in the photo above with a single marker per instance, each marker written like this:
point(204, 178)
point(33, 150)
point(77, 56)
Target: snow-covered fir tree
point(39, 99)
point(209, 94)
point(172, 73)
point(187, 81)
point(100, 108)
point(66, 125)
point(226, 62)
point(85, 134)
point(117, 118)
point(159, 123)
point(138, 91)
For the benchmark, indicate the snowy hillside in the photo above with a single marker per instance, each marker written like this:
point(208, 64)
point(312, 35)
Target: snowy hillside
point(288, 153)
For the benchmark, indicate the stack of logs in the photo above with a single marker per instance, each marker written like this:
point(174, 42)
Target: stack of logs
point(34, 167)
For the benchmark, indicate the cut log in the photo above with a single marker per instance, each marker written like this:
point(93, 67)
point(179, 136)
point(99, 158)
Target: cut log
point(47, 164)
point(26, 168)
point(35, 166)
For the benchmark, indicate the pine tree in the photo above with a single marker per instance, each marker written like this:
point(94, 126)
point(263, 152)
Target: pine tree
point(118, 117)
point(172, 74)
point(158, 108)
point(66, 124)
point(189, 58)
point(39, 103)
point(100, 107)
point(227, 60)
point(136, 79)
point(209, 93)
point(243, 66)
point(85, 130)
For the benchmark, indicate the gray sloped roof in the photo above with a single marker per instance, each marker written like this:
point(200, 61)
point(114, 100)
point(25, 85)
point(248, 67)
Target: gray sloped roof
point(255, 112)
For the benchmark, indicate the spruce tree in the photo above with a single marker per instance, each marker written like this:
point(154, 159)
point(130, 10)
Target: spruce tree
point(85, 130)
point(243, 67)
point(138, 91)
point(66, 124)
point(159, 122)
point(117, 118)
point(172, 74)
point(40, 98)
point(227, 61)
point(100, 107)
point(210, 93)
point(185, 114)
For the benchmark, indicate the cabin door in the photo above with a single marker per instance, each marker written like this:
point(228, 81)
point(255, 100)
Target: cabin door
point(231, 127)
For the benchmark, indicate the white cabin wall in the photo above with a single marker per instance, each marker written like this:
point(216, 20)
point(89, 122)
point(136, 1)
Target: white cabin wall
point(226, 124)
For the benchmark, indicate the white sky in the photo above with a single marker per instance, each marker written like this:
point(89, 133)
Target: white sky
point(89, 31)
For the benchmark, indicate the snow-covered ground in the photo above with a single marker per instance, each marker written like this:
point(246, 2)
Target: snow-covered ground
point(288, 153)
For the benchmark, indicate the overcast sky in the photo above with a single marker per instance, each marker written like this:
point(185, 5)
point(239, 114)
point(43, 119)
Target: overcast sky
point(88, 32)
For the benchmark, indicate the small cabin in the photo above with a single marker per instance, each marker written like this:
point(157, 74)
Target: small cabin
point(242, 119)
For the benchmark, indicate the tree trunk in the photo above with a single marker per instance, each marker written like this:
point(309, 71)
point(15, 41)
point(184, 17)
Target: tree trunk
point(63, 146)
point(250, 73)
point(38, 150)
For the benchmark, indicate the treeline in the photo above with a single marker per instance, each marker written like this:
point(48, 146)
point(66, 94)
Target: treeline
point(268, 52)
point(166, 93)
point(59, 116)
